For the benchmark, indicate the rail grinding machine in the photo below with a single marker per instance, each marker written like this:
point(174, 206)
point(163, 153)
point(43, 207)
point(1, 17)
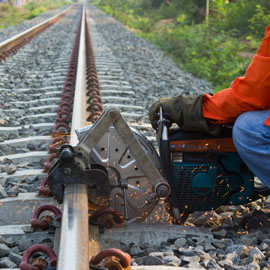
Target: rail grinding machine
point(194, 171)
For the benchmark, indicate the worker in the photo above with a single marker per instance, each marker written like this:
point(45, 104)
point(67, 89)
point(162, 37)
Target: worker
point(246, 103)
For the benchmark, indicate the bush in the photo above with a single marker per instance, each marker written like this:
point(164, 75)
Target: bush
point(246, 17)
point(213, 56)
point(144, 24)
point(35, 12)
point(11, 15)
point(259, 21)
point(210, 51)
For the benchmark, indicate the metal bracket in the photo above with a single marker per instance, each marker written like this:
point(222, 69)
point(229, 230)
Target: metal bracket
point(75, 167)
point(112, 116)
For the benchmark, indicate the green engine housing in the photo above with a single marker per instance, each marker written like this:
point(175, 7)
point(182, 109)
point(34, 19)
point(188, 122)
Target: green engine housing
point(204, 179)
point(206, 186)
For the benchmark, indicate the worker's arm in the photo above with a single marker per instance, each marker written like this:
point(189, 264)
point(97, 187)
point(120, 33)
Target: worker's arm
point(248, 93)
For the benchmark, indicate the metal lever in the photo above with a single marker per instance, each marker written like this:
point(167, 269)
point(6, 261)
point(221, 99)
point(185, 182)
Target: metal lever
point(164, 144)
point(123, 184)
point(149, 201)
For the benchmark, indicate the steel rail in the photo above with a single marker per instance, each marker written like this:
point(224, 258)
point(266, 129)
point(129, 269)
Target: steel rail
point(14, 41)
point(74, 241)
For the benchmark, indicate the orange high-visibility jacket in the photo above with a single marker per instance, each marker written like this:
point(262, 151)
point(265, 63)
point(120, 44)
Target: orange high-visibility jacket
point(248, 93)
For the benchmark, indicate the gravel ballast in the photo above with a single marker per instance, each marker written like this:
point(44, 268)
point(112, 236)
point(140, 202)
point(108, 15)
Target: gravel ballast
point(31, 85)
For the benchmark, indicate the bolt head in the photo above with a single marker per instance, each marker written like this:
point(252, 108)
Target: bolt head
point(114, 113)
point(163, 190)
point(66, 153)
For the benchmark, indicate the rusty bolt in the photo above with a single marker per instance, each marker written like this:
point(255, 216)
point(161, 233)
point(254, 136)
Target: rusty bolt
point(39, 262)
point(47, 219)
point(162, 189)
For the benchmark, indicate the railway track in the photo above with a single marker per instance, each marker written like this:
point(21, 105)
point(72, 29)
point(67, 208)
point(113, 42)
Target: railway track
point(59, 81)
point(48, 76)
point(38, 73)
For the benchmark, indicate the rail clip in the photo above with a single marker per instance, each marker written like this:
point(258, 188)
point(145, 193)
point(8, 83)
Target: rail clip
point(44, 222)
point(25, 265)
point(115, 259)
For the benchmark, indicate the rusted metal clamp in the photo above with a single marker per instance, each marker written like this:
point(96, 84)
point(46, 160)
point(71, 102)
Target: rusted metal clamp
point(63, 116)
point(49, 162)
point(56, 143)
point(61, 129)
point(37, 265)
point(43, 189)
point(115, 259)
point(45, 221)
point(107, 217)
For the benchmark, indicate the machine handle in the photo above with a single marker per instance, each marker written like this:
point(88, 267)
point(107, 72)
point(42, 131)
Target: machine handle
point(164, 145)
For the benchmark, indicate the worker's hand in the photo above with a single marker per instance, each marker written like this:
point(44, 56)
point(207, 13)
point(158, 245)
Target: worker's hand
point(168, 108)
point(184, 111)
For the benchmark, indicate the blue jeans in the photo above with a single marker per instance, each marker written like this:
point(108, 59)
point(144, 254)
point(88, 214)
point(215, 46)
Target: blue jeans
point(252, 140)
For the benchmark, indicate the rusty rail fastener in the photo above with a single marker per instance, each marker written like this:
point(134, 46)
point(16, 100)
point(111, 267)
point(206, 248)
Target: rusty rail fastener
point(61, 129)
point(49, 162)
point(56, 143)
point(109, 216)
point(25, 265)
point(44, 223)
point(43, 189)
point(120, 260)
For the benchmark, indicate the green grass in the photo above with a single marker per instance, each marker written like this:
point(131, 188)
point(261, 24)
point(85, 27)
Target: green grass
point(11, 15)
point(201, 49)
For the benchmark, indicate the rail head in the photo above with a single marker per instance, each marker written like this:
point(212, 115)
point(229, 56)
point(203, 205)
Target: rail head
point(74, 245)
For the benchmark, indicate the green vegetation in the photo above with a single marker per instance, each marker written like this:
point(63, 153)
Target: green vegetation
point(11, 15)
point(218, 50)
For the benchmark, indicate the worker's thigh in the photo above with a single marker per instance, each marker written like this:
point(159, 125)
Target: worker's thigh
point(252, 140)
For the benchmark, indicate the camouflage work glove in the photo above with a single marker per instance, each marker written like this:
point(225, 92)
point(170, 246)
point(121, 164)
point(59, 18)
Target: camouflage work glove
point(184, 111)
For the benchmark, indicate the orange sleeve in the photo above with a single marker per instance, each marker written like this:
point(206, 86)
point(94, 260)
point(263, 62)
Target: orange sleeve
point(248, 93)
